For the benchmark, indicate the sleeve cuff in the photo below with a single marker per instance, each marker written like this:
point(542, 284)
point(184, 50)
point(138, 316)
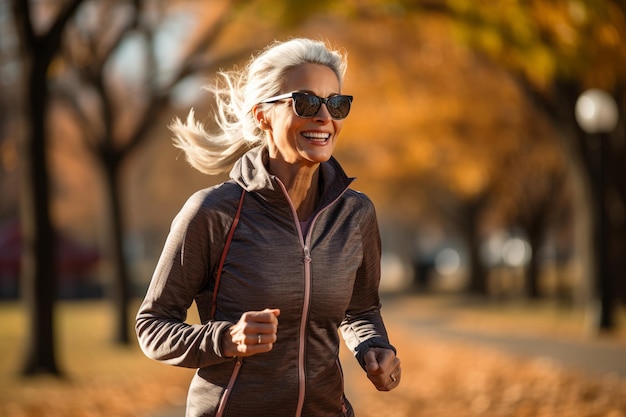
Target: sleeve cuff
point(217, 339)
point(375, 342)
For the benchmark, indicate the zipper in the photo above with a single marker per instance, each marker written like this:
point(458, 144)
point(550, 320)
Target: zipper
point(231, 382)
point(303, 321)
point(305, 242)
point(305, 307)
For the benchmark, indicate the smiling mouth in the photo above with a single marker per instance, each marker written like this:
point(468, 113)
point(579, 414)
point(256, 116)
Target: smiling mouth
point(316, 136)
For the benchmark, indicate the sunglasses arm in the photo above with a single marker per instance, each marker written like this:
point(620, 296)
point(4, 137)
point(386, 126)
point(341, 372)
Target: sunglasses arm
point(278, 98)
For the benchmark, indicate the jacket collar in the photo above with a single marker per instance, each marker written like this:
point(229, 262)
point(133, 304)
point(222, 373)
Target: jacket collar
point(250, 172)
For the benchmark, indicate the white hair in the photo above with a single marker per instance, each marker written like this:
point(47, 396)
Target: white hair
point(236, 93)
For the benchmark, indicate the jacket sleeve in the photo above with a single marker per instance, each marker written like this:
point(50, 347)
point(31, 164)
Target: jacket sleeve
point(180, 274)
point(363, 326)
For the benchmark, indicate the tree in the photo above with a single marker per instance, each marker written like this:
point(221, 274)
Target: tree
point(38, 266)
point(557, 50)
point(439, 126)
point(554, 50)
point(116, 104)
point(535, 191)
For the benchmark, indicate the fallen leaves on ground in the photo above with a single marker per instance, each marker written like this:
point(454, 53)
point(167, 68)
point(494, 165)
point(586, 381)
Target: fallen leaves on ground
point(444, 379)
point(440, 378)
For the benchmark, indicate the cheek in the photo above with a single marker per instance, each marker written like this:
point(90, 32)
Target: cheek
point(338, 125)
point(284, 139)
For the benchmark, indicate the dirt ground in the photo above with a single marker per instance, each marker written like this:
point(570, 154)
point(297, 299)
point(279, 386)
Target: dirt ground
point(440, 377)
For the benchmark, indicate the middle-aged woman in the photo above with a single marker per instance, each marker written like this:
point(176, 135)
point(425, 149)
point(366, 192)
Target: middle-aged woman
point(279, 257)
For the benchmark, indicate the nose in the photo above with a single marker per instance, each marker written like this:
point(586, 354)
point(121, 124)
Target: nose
point(323, 113)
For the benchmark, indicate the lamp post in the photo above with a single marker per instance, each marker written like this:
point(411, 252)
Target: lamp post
point(597, 115)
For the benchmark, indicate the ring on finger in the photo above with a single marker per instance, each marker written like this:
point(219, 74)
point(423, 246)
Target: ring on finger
point(393, 377)
point(258, 339)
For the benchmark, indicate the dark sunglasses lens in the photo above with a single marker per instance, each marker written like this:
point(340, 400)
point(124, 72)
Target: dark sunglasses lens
point(306, 105)
point(338, 106)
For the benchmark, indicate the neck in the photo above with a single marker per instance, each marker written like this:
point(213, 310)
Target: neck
point(302, 184)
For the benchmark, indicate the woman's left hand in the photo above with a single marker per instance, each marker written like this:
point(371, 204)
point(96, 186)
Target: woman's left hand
point(383, 368)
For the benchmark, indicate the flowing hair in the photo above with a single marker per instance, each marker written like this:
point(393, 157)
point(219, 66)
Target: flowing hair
point(236, 93)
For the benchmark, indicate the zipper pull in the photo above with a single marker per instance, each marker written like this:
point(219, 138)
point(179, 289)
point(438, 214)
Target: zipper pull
point(307, 255)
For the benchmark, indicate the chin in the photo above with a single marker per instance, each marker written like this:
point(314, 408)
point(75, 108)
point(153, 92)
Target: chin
point(318, 158)
point(317, 154)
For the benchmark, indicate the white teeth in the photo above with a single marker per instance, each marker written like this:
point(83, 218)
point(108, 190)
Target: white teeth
point(315, 135)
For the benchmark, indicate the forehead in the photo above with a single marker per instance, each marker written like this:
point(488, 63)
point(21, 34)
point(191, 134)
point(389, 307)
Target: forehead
point(315, 78)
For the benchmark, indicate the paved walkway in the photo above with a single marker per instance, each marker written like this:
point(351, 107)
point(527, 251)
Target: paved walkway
point(593, 354)
point(434, 318)
point(590, 356)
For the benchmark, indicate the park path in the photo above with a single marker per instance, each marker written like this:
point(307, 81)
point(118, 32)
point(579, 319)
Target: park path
point(594, 354)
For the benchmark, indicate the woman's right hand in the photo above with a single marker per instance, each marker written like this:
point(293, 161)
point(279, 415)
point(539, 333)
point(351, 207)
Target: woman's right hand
point(255, 332)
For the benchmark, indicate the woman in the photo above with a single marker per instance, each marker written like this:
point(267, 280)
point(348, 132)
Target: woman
point(279, 257)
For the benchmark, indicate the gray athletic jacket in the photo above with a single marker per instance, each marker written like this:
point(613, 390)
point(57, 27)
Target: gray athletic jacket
point(321, 282)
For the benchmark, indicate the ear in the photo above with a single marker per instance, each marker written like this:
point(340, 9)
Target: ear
point(260, 117)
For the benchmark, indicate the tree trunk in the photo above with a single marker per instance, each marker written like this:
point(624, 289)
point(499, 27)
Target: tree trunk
point(38, 274)
point(535, 222)
point(120, 286)
point(478, 274)
point(478, 283)
point(532, 270)
point(602, 241)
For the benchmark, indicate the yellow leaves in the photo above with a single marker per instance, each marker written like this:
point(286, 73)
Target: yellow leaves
point(544, 40)
point(425, 155)
point(608, 35)
point(468, 178)
point(539, 66)
point(447, 122)
point(489, 40)
point(566, 35)
point(577, 12)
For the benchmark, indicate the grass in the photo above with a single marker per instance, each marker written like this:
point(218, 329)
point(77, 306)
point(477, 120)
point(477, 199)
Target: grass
point(100, 379)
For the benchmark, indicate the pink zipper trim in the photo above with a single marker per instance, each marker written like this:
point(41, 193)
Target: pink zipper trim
point(307, 294)
point(305, 307)
point(233, 377)
point(305, 314)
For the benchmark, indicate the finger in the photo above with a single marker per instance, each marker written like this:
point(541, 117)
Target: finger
point(393, 369)
point(371, 362)
point(382, 382)
point(396, 374)
point(385, 372)
point(386, 382)
point(380, 360)
point(265, 316)
point(386, 358)
point(254, 344)
point(261, 339)
point(269, 315)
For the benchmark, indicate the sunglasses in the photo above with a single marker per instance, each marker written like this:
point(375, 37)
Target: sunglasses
point(308, 105)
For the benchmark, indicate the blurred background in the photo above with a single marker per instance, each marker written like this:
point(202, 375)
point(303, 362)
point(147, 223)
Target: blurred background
point(490, 135)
